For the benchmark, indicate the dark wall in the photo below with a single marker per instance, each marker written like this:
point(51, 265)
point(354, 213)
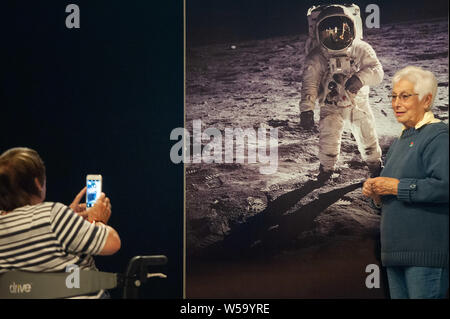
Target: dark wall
point(102, 99)
point(216, 21)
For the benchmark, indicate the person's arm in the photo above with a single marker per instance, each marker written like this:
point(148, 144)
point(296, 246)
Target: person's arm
point(371, 71)
point(432, 189)
point(99, 214)
point(435, 187)
point(112, 244)
point(313, 71)
point(75, 234)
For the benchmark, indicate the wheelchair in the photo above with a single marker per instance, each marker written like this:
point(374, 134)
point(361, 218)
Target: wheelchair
point(31, 285)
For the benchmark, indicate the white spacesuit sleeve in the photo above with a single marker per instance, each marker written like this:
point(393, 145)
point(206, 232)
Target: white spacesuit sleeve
point(313, 71)
point(371, 71)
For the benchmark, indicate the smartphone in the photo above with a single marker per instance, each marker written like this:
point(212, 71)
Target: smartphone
point(94, 189)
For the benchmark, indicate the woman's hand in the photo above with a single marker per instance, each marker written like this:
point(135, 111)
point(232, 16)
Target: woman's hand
point(367, 191)
point(379, 186)
point(101, 211)
point(383, 185)
point(78, 208)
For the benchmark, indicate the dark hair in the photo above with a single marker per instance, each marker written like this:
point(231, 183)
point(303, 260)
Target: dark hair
point(19, 167)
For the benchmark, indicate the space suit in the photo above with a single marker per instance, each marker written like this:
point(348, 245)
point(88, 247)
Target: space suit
point(338, 71)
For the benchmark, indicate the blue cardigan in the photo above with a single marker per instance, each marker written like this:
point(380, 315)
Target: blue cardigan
point(414, 224)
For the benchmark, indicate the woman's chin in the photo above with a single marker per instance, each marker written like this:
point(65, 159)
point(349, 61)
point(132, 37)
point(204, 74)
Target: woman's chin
point(401, 120)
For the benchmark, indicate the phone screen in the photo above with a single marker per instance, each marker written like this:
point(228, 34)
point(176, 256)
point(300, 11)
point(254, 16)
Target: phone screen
point(94, 188)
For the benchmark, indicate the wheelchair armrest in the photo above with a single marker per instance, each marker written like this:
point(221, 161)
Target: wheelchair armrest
point(137, 273)
point(139, 264)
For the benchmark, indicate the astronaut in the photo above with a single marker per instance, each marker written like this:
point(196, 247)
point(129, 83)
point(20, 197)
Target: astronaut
point(338, 70)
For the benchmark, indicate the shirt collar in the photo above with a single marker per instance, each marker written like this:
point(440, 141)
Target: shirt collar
point(428, 118)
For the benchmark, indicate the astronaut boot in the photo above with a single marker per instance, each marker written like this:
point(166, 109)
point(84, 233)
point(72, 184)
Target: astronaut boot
point(307, 121)
point(324, 175)
point(374, 169)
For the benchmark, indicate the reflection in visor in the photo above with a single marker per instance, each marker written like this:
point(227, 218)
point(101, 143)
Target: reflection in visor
point(336, 33)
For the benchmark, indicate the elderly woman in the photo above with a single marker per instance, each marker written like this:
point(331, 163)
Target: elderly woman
point(413, 192)
point(38, 236)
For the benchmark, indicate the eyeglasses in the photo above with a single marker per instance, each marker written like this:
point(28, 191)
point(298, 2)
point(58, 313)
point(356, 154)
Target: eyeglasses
point(403, 97)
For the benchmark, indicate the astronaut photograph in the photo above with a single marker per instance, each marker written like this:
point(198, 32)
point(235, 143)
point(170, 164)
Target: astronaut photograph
point(306, 88)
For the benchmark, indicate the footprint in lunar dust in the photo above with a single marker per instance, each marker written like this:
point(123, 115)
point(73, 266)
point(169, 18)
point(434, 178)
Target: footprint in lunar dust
point(191, 171)
point(277, 123)
point(213, 181)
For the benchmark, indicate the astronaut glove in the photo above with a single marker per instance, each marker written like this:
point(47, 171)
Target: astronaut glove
point(307, 120)
point(353, 84)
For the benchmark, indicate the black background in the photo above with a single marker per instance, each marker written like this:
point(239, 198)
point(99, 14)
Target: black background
point(102, 99)
point(216, 21)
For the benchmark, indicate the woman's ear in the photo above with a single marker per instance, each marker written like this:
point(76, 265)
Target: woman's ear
point(42, 188)
point(426, 101)
point(38, 184)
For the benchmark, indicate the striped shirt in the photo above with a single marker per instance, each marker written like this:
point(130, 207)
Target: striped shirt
point(47, 237)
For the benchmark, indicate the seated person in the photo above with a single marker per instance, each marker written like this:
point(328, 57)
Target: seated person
point(38, 236)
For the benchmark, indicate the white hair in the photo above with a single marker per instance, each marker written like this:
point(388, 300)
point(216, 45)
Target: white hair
point(424, 81)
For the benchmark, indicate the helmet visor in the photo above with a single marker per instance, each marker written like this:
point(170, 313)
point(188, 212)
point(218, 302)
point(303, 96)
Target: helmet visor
point(336, 33)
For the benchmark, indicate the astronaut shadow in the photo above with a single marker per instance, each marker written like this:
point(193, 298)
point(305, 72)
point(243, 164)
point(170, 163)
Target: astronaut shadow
point(286, 233)
point(274, 228)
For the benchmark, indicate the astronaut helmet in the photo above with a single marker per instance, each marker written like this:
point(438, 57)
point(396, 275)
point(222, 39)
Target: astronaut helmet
point(336, 27)
point(336, 33)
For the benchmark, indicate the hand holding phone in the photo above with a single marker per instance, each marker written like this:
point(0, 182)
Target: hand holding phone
point(101, 211)
point(93, 189)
